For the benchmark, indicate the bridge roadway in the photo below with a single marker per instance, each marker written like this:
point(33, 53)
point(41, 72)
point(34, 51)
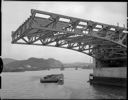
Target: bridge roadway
point(106, 43)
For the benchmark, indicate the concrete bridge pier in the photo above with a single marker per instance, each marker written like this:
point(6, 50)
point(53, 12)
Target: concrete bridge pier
point(105, 73)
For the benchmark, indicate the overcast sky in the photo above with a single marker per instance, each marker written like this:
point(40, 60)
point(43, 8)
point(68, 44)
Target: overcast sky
point(15, 13)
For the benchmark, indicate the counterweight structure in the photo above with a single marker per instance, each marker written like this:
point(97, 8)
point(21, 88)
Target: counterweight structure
point(106, 43)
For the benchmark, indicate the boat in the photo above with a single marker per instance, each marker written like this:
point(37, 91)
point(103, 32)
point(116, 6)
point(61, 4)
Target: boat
point(53, 78)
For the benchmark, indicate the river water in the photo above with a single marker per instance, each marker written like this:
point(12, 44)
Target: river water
point(26, 85)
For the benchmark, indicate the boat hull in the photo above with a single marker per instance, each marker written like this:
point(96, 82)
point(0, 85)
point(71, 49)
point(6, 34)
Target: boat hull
point(56, 78)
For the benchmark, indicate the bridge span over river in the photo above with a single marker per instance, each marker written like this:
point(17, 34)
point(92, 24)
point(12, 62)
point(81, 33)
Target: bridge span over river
point(107, 44)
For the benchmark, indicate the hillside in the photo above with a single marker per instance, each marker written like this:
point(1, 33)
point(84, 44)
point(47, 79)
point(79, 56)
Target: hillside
point(30, 64)
point(7, 60)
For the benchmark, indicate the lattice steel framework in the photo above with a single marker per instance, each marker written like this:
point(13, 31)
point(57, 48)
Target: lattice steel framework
point(101, 41)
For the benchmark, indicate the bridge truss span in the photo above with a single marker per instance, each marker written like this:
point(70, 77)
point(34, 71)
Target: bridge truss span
point(101, 41)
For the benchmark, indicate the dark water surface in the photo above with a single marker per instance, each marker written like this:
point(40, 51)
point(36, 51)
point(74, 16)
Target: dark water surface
point(26, 85)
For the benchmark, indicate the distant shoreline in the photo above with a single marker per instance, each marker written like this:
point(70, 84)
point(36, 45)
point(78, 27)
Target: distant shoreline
point(37, 70)
point(36, 64)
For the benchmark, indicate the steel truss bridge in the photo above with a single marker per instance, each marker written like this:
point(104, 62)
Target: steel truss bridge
point(98, 40)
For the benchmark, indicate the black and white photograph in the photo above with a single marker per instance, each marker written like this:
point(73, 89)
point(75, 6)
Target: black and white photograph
point(63, 50)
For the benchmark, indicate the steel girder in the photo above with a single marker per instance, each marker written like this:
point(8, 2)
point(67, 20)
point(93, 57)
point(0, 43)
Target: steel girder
point(101, 41)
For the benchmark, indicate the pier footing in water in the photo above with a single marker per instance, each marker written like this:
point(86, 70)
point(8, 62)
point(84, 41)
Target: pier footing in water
point(121, 82)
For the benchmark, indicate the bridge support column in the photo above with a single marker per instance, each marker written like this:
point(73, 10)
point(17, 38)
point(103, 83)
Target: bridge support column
point(106, 74)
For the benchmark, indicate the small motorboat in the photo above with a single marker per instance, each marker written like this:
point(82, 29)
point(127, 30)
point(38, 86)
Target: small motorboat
point(53, 78)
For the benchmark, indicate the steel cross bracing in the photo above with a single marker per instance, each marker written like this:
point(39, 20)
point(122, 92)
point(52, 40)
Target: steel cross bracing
point(101, 41)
